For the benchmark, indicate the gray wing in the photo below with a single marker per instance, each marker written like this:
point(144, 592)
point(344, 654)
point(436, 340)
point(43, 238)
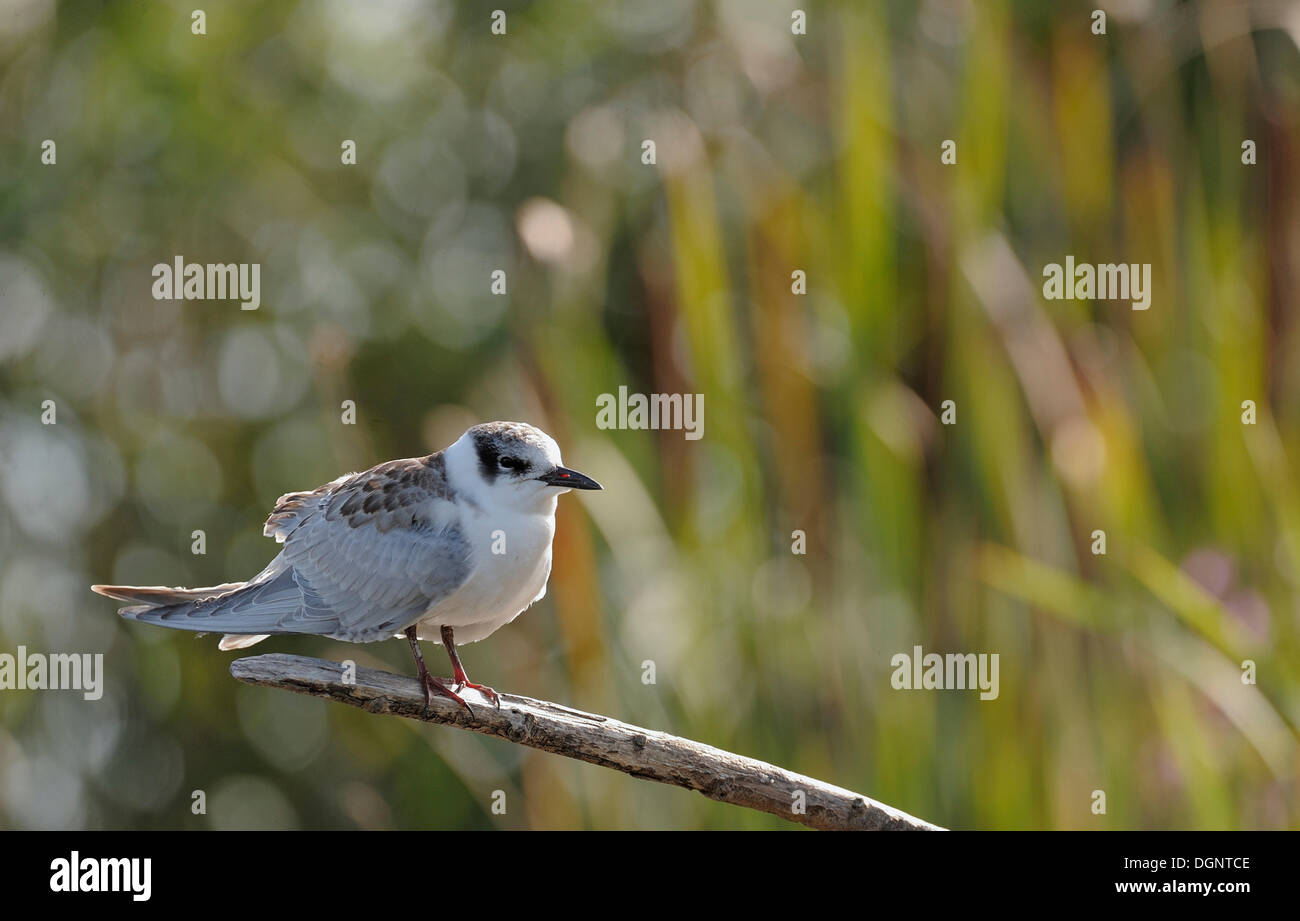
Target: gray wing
point(363, 558)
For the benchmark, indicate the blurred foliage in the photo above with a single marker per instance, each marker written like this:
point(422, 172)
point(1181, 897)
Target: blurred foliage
point(776, 152)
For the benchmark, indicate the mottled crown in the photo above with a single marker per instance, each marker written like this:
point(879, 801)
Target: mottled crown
point(509, 435)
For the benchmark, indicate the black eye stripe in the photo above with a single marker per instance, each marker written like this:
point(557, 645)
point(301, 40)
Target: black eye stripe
point(487, 458)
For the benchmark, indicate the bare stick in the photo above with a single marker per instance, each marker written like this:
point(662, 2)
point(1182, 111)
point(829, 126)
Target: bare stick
point(644, 753)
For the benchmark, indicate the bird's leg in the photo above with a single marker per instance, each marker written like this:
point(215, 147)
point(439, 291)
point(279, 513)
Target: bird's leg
point(458, 671)
point(429, 682)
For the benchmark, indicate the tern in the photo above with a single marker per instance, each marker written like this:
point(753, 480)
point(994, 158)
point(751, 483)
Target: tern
point(445, 548)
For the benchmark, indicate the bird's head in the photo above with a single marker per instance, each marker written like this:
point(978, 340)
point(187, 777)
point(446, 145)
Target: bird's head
point(514, 465)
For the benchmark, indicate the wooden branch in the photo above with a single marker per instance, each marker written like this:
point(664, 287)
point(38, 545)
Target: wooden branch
point(644, 753)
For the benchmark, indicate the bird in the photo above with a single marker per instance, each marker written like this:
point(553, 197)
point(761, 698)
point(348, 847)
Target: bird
point(445, 548)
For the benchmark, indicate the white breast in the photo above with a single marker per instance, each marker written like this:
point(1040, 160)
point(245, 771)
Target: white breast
point(511, 558)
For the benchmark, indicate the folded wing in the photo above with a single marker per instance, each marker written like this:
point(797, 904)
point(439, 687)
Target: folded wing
point(363, 558)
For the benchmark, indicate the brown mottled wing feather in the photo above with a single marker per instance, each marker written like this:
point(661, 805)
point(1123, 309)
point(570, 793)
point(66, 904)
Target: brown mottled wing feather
point(382, 546)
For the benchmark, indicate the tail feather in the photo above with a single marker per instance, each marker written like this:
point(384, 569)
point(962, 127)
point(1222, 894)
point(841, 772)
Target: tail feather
point(247, 612)
point(155, 595)
point(148, 597)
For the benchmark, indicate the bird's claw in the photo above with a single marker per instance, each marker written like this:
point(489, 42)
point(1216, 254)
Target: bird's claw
point(482, 689)
point(434, 685)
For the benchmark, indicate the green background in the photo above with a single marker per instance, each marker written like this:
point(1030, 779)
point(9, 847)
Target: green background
point(775, 152)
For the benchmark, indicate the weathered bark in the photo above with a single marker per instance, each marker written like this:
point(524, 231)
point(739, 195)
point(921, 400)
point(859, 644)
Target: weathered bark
point(644, 753)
